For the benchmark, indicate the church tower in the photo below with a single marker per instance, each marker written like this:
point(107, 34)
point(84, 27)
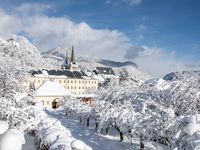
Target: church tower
point(71, 66)
point(66, 58)
point(73, 56)
point(65, 65)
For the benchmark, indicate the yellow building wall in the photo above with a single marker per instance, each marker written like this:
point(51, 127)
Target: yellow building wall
point(75, 86)
point(47, 100)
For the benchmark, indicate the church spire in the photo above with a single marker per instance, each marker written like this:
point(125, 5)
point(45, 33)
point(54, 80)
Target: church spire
point(66, 57)
point(73, 55)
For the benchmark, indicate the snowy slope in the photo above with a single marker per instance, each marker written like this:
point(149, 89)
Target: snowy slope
point(20, 51)
point(86, 62)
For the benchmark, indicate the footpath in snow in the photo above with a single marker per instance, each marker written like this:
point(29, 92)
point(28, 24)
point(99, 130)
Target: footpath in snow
point(30, 143)
point(94, 140)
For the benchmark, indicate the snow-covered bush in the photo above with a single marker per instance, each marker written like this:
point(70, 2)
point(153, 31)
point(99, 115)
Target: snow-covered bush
point(185, 132)
point(10, 139)
point(54, 136)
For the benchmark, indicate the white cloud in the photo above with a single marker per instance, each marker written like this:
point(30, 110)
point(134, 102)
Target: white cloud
point(9, 24)
point(50, 32)
point(129, 2)
point(141, 28)
point(133, 2)
point(28, 8)
point(157, 61)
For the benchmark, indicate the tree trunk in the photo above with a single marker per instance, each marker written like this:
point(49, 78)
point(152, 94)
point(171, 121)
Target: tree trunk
point(141, 143)
point(96, 124)
point(120, 134)
point(88, 121)
point(107, 129)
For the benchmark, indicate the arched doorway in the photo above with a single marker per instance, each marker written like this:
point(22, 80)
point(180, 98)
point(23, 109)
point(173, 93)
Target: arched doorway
point(55, 103)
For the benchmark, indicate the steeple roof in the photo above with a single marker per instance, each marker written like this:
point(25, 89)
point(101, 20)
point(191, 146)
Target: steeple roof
point(66, 57)
point(73, 56)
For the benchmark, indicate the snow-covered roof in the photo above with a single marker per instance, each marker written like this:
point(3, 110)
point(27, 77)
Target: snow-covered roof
point(60, 73)
point(51, 88)
point(105, 71)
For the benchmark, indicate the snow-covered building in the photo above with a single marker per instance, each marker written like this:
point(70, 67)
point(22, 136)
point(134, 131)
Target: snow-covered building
point(104, 74)
point(70, 77)
point(49, 93)
point(106, 71)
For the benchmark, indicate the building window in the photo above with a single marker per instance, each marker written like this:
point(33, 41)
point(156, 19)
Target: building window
point(47, 102)
point(79, 87)
point(83, 87)
point(86, 82)
point(74, 87)
point(89, 82)
point(75, 81)
point(38, 81)
point(82, 81)
point(79, 81)
point(67, 87)
point(64, 81)
point(67, 81)
point(71, 87)
point(71, 81)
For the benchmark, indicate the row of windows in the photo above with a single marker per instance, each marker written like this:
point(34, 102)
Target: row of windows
point(80, 92)
point(68, 81)
point(38, 81)
point(68, 87)
point(74, 81)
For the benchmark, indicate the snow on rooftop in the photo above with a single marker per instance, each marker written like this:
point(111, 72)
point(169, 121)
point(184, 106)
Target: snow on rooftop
point(51, 88)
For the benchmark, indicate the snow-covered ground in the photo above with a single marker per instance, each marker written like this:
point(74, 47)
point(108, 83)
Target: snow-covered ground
point(30, 143)
point(94, 140)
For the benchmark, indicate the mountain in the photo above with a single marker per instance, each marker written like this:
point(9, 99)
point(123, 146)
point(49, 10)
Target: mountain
point(91, 63)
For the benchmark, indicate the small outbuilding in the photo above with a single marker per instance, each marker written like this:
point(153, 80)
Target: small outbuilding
point(49, 93)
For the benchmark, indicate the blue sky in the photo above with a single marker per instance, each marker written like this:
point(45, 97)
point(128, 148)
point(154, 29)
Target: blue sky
point(172, 26)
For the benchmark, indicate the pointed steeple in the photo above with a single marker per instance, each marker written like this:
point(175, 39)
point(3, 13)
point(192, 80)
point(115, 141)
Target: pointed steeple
point(73, 56)
point(66, 57)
